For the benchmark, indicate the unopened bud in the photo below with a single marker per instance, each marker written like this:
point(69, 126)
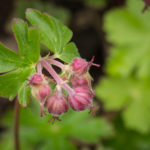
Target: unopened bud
point(79, 81)
point(81, 66)
point(36, 80)
point(40, 93)
point(56, 104)
point(81, 99)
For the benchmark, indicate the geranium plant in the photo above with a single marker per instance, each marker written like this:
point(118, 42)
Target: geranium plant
point(23, 73)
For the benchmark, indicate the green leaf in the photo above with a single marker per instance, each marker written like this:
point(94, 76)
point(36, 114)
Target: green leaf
point(20, 66)
point(69, 52)
point(11, 82)
point(131, 96)
point(80, 126)
point(74, 125)
point(126, 86)
point(53, 34)
point(126, 139)
point(101, 147)
point(58, 143)
point(98, 128)
point(28, 41)
point(9, 60)
point(137, 115)
point(114, 92)
point(131, 40)
point(24, 94)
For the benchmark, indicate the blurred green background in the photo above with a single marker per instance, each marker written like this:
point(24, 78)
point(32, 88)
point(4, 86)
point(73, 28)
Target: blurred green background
point(118, 34)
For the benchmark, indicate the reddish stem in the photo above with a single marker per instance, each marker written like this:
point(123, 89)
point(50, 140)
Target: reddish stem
point(57, 78)
point(51, 71)
point(56, 63)
point(39, 68)
point(16, 125)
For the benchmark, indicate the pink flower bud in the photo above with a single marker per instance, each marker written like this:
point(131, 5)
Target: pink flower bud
point(44, 91)
point(56, 104)
point(81, 99)
point(79, 81)
point(35, 80)
point(81, 66)
point(40, 93)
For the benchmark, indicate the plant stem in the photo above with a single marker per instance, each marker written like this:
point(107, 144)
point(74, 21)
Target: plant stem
point(57, 78)
point(16, 124)
point(52, 72)
point(56, 63)
point(39, 68)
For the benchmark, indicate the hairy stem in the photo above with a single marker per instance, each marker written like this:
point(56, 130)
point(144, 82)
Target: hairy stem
point(56, 63)
point(39, 68)
point(16, 124)
point(51, 71)
point(56, 77)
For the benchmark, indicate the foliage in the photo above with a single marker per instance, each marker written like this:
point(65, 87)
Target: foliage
point(52, 34)
point(124, 89)
point(126, 139)
point(19, 67)
point(36, 133)
point(126, 86)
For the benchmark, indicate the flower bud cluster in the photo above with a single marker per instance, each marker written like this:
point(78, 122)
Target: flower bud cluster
point(75, 80)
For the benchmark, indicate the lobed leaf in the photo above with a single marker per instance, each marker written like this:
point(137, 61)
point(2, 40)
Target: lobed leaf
point(136, 116)
point(131, 96)
point(114, 92)
point(23, 65)
point(9, 60)
point(53, 34)
point(126, 87)
point(35, 130)
point(131, 39)
point(28, 41)
point(69, 52)
point(11, 82)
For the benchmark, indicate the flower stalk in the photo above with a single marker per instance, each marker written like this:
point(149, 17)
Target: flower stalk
point(16, 125)
point(58, 80)
point(56, 63)
point(39, 68)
